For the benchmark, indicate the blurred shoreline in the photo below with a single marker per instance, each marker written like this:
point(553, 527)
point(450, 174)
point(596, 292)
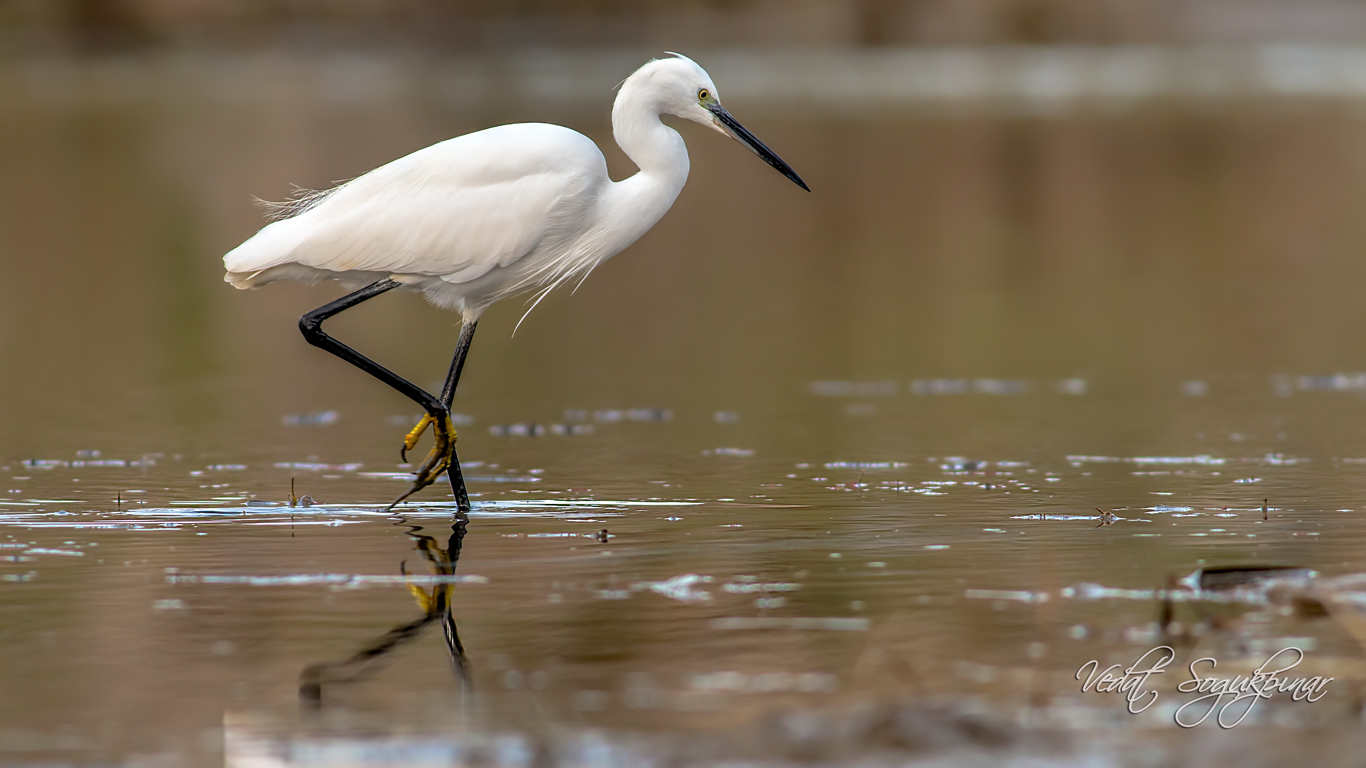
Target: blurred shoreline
point(789, 81)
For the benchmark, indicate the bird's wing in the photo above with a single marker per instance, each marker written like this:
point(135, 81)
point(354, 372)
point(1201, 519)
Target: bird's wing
point(455, 210)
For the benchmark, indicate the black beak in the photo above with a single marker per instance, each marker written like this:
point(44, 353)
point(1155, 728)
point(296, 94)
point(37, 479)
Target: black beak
point(738, 132)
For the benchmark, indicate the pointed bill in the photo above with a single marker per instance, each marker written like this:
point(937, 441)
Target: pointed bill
point(731, 127)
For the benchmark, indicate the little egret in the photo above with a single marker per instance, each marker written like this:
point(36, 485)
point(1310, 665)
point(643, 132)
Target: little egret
point(485, 216)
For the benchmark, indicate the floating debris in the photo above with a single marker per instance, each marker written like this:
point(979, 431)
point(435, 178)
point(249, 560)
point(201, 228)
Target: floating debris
point(1280, 460)
point(1229, 577)
point(964, 386)
point(746, 588)
point(955, 464)
point(940, 387)
point(614, 415)
point(341, 580)
point(1045, 516)
point(518, 430)
point(1070, 386)
point(682, 588)
point(865, 464)
point(50, 464)
point(539, 430)
point(1338, 382)
point(315, 419)
point(309, 466)
point(46, 551)
point(999, 387)
point(1202, 460)
point(774, 622)
point(853, 388)
point(1088, 591)
point(765, 682)
point(1194, 388)
point(297, 501)
point(1023, 596)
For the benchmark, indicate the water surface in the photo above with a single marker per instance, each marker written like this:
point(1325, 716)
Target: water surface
point(847, 448)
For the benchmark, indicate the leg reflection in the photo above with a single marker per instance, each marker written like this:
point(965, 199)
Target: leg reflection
point(436, 608)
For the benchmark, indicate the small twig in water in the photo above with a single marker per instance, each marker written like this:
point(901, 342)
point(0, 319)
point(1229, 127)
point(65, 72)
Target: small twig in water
point(1167, 611)
point(855, 484)
point(1264, 510)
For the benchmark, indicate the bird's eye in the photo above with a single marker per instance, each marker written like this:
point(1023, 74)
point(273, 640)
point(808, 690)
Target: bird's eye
point(702, 94)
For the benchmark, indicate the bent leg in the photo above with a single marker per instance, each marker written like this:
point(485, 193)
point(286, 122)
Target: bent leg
point(311, 325)
point(442, 453)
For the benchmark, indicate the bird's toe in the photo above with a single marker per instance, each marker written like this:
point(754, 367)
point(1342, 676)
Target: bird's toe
point(438, 459)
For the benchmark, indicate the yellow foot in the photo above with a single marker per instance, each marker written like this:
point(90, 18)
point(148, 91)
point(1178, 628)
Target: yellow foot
point(410, 440)
point(438, 458)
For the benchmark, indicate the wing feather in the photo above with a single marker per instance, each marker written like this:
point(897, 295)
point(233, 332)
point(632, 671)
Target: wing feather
point(454, 210)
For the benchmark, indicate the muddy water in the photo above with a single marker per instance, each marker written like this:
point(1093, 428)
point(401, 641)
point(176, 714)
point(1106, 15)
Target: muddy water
point(847, 448)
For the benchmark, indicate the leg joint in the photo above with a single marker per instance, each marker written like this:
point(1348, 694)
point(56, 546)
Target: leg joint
point(311, 326)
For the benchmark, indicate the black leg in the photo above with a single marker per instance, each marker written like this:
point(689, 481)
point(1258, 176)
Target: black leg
point(462, 497)
point(458, 362)
point(311, 324)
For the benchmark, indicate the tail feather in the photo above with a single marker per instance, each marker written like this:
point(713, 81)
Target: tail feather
point(272, 246)
point(242, 280)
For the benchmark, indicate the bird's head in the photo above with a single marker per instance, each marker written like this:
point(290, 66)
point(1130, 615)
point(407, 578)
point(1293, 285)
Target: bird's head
point(678, 86)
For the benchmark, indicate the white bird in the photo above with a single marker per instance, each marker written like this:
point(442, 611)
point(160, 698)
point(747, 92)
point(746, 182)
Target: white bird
point(485, 216)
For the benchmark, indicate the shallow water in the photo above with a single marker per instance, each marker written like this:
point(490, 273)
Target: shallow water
point(847, 448)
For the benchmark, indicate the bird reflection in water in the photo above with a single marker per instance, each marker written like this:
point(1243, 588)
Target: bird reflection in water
point(436, 608)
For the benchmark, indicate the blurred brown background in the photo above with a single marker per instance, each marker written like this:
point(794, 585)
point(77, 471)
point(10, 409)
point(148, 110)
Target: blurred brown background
point(1141, 193)
point(444, 25)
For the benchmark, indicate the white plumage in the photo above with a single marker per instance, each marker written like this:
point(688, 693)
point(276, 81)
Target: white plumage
point(497, 212)
point(441, 218)
point(484, 216)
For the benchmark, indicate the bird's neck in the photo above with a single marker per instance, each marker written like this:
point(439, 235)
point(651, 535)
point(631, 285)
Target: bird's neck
point(654, 147)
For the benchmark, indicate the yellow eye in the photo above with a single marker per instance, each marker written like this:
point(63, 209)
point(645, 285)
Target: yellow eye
point(702, 94)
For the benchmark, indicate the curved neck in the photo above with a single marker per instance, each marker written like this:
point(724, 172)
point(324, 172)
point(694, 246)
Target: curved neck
point(654, 147)
point(639, 201)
